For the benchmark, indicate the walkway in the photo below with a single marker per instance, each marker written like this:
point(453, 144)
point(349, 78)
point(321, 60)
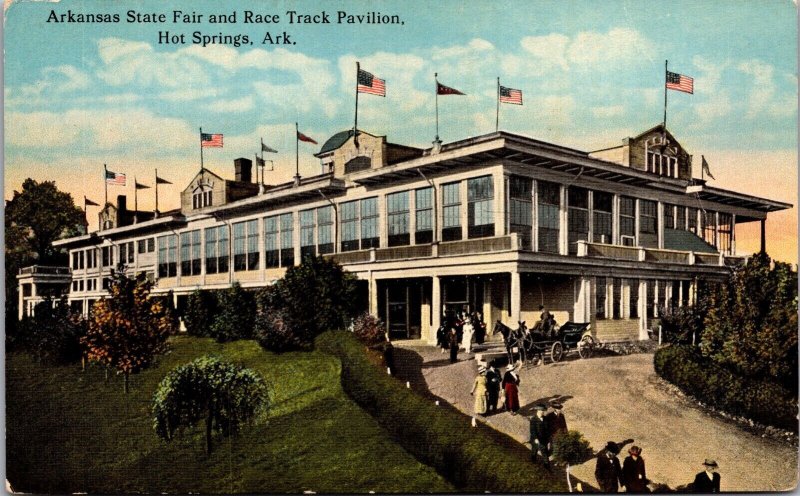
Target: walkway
point(618, 398)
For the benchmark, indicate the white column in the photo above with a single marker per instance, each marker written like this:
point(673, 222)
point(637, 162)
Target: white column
point(625, 299)
point(563, 235)
point(373, 295)
point(660, 225)
point(535, 217)
point(615, 220)
point(500, 203)
point(436, 307)
point(515, 302)
point(680, 293)
point(642, 306)
point(733, 234)
point(383, 219)
point(463, 199)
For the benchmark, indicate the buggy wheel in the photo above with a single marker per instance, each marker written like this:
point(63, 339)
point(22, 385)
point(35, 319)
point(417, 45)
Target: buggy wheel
point(557, 351)
point(586, 347)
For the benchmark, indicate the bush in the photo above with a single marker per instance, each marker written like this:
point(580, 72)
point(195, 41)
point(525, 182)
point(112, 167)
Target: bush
point(222, 394)
point(571, 448)
point(759, 400)
point(681, 325)
point(369, 330)
point(274, 332)
point(201, 306)
point(53, 335)
point(475, 460)
point(235, 314)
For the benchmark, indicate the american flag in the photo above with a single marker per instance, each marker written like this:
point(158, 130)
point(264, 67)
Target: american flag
point(368, 83)
point(210, 140)
point(115, 178)
point(510, 95)
point(680, 82)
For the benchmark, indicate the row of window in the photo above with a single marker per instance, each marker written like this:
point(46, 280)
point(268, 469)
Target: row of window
point(621, 301)
point(88, 258)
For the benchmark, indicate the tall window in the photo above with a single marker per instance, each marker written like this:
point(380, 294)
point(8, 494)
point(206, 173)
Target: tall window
point(651, 299)
point(349, 223)
point(307, 247)
point(633, 284)
point(669, 216)
point(520, 205)
point(725, 233)
point(107, 256)
point(549, 201)
point(648, 227)
point(245, 245)
point(370, 237)
point(287, 240)
point(680, 218)
point(602, 227)
point(627, 221)
point(451, 212)
point(190, 253)
point(616, 300)
point(397, 217)
point(77, 260)
point(271, 231)
point(600, 299)
point(167, 256)
point(710, 227)
point(126, 253)
point(692, 217)
point(423, 203)
point(662, 164)
point(147, 245)
point(91, 258)
point(577, 217)
point(217, 250)
point(201, 197)
point(325, 230)
point(480, 214)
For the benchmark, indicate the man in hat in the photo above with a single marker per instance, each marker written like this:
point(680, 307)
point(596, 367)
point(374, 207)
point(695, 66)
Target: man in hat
point(707, 481)
point(608, 471)
point(539, 437)
point(556, 423)
point(493, 380)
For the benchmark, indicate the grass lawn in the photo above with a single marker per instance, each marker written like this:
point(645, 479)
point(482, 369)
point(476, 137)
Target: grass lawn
point(70, 431)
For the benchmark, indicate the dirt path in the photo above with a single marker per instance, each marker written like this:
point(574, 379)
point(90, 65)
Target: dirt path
point(614, 399)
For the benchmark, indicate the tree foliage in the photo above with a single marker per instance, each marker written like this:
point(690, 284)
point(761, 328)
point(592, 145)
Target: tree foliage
point(201, 307)
point(128, 329)
point(53, 335)
point(235, 314)
point(274, 330)
point(369, 329)
point(751, 325)
point(224, 395)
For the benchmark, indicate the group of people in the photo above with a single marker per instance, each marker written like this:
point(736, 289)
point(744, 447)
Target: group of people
point(489, 385)
point(631, 474)
point(459, 330)
point(544, 427)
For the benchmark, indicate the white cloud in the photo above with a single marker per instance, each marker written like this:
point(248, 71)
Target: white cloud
point(236, 105)
point(473, 48)
point(550, 49)
point(609, 111)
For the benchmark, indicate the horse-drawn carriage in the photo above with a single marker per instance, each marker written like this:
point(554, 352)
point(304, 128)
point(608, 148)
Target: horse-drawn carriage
point(534, 345)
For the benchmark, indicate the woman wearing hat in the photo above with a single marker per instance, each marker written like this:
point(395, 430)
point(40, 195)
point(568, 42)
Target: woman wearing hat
point(633, 475)
point(479, 391)
point(707, 481)
point(511, 388)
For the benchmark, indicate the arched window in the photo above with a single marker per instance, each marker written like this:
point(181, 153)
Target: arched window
point(357, 164)
point(201, 197)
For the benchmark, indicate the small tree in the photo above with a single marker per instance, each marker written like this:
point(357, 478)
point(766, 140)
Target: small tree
point(224, 395)
point(235, 314)
point(128, 329)
point(369, 330)
point(199, 315)
point(571, 448)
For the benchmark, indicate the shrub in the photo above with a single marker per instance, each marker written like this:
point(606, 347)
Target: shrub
point(475, 460)
point(759, 400)
point(199, 314)
point(222, 394)
point(274, 332)
point(369, 330)
point(53, 335)
point(681, 325)
point(571, 448)
point(235, 314)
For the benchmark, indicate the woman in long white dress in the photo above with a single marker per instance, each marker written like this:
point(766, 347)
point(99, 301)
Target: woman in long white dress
point(468, 332)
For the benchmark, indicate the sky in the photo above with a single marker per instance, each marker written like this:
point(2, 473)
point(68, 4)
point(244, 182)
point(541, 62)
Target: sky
point(80, 95)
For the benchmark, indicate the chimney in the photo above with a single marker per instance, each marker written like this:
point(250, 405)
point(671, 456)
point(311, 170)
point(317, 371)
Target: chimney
point(244, 168)
point(122, 203)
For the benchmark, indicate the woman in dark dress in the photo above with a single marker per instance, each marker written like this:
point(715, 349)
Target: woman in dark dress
point(511, 388)
point(452, 341)
point(633, 473)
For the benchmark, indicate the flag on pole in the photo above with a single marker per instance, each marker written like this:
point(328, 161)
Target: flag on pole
point(679, 82)
point(115, 178)
point(368, 83)
point(706, 169)
point(260, 162)
point(210, 140)
point(265, 148)
point(139, 185)
point(89, 202)
point(446, 90)
point(160, 180)
point(510, 95)
point(303, 137)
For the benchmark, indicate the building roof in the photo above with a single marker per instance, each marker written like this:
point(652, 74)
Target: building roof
point(675, 239)
point(336, 141)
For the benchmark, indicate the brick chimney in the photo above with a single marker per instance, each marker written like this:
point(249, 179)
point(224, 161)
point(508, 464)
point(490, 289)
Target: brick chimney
point(122, 203)
point(244, 169)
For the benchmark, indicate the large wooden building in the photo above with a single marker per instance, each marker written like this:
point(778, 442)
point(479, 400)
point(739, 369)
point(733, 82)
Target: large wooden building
point(499, 223)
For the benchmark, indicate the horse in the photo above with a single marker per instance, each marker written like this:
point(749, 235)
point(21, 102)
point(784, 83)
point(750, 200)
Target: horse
point(512, 338)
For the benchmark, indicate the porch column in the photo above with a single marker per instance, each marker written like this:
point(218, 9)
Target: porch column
point(373, 296)
point(642, 306)
point(583, 300)
point(21, 304)
point(692, 291)
point(763, 235)
point(680, 293)
point(563, 238)
point(515, 302)
point(436, 307)
point(660, 225)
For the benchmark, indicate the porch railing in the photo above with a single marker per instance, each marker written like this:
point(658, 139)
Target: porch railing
point(636, 253)
point(45, 270)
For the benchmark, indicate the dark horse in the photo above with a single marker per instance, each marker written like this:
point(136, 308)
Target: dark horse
point(512, 338)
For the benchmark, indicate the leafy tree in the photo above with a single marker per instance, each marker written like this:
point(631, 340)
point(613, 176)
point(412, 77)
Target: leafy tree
point(571, 448)
point(751, 325)
point(128, 329)
point(199, 315)
point(273, 328)
point(54, 333)
point(234, 316)
point(221, 393)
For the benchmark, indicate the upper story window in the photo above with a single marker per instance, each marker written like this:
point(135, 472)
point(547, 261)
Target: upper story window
point(423, 203)
point(710, 227)
point(370, 237)
point(245, 245)
point(691, 216)
point(77, 260)
point(577, 217)
point(126, 252)
point(480, 211)
point(325, 230)
point(146, 245)
point(602, 208)
point(278, 240)
point(627, 221)
point(669, 216)
point(397, 217)
point(648, 223)
point(359, 224)
point(190, 253)
point(451, 212)
point(323, 227)
point(107, 256)
point(662, 163)
point(357, 164)
point(201, 197)
point(724, 234)
point(217, 250)
point(168, 256)
point(548, 205)
point(307, 246)
point(520, 206)
point(91, 258)
point(680, 218)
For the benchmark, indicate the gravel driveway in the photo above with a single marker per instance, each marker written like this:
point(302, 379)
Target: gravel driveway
point(617, 398)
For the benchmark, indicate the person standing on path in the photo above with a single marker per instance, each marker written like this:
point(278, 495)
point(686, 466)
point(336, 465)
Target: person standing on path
point(452, 340)
point(556, 423)
point(479, 391)
point(467, 333)
point(493, 381)
point(634, 477)
point(608, 471)
point(539, 437)
point(511, 388)
point(708, 480)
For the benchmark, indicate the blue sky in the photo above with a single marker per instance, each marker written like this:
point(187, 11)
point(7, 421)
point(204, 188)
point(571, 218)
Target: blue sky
point(80, 95)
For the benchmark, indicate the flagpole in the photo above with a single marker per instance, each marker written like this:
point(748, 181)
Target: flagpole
point(135, 201)
point(702, 168)
point(296, 155)
point(105, 183)
point(666, 70)
point(436, 78)
point(497, 120)
point(201, 150)
point(355, 125)
point(156, 212)
point(86, 213)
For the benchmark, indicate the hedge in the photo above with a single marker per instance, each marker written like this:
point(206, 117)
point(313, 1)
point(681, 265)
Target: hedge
point(758, 400)
point(473, 459)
